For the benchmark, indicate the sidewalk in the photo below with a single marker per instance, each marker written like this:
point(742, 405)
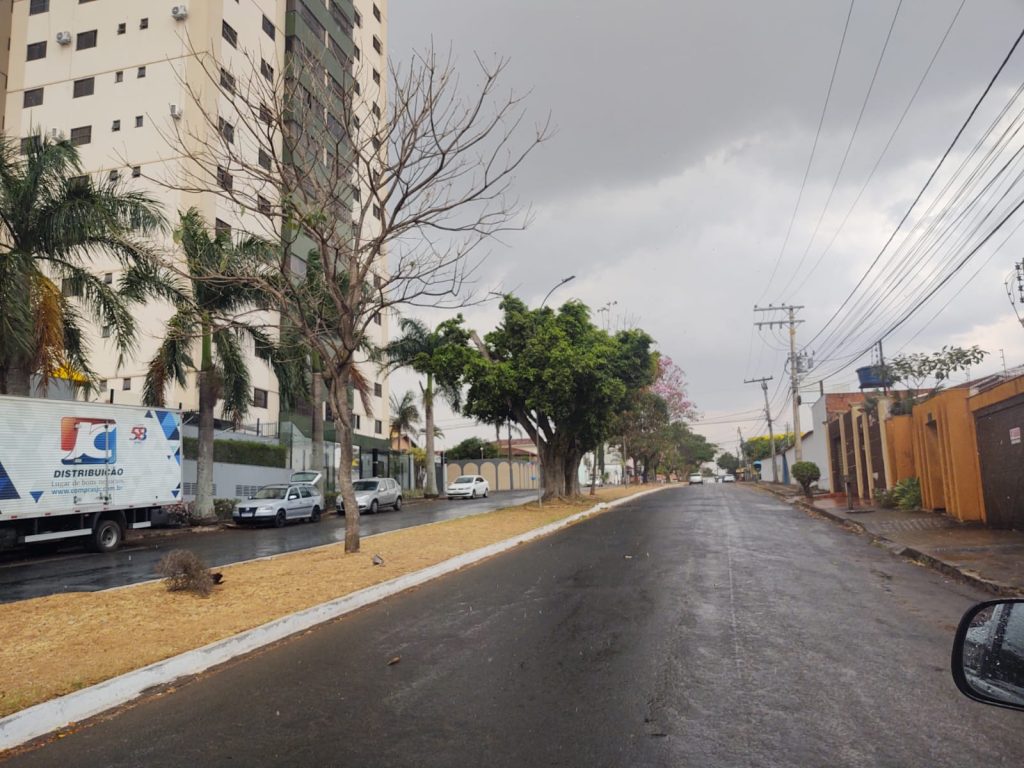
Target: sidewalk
point(987, 557)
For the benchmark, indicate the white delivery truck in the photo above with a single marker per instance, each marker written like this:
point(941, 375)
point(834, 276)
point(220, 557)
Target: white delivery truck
point(70, 469)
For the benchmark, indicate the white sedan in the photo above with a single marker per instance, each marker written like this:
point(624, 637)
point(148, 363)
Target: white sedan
point(468, 487)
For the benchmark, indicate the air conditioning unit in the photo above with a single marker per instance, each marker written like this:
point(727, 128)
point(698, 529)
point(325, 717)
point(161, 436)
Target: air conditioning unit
point(64, 38)
point(55, 134)
point(180, 12)
point(176, 111)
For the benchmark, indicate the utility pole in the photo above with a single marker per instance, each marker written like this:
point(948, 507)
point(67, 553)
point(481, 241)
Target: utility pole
point(1002, 354)
point(768, 415)
point(794, 364)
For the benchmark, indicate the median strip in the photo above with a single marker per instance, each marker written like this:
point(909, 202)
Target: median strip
point(114, 645)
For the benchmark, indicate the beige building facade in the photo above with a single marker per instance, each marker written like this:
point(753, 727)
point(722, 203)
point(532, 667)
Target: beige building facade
point(111, 76)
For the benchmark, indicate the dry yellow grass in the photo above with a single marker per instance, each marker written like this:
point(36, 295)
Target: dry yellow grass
point(58, 644)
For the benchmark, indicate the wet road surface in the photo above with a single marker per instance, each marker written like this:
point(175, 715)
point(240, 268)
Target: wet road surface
point(704, 626)
point(79, 571)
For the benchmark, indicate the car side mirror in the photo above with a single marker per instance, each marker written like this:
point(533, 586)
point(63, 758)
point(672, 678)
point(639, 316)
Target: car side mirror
point(988, 653)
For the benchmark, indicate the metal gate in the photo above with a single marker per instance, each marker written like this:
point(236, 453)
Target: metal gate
point(1001, 452)
point(835, 453)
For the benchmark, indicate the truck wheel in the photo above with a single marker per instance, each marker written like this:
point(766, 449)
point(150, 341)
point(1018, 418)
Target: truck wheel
point(373, 507)
point(398, 504)
point(315, 517)
point(107, 536)
point(280, 519)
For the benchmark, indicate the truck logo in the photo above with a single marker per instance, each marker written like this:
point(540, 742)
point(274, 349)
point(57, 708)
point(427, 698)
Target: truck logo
point(88, 441)
point(138, 434)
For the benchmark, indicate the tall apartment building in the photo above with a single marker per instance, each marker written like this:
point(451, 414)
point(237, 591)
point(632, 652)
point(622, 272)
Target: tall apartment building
point(111, 75)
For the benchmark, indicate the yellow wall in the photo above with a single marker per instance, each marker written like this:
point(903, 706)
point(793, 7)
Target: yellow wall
point(946, 455)
point(899, 441)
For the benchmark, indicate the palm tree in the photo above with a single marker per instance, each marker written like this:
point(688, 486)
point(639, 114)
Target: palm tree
point(216, 295)
point(54, 221)
point(405, 416)
point(441, 356)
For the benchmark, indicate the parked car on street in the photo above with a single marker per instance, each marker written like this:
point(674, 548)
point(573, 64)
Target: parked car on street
point(299, 499)
point(696, 479)
point(374, 493)
point(729, 479)
point(468, 487)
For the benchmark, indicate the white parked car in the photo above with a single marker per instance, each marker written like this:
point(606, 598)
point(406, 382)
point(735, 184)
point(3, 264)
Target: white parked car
point(373, 493)
point(468, 487)
point(729, 479)
point(696, 479)
point(297, 499)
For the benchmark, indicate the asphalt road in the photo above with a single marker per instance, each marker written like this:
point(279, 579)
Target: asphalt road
point(704, 626)
point(79, 571)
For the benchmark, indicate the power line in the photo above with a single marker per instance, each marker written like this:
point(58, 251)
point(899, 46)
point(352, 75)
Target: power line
point(927, 183)
point(814, 147)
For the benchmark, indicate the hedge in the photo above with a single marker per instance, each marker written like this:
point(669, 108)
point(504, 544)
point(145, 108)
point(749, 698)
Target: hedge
point(247, 452)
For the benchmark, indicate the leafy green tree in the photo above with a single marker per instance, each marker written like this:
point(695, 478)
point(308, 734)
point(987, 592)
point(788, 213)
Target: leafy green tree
point(759, 448)
point(440, 355)
point(405, 416)
point(643, 429)
point(473, 448)
point(208, 312)
point(54, 221)
point(561, 378)
point(805, 473)
point(728, 462)
point(913, 370)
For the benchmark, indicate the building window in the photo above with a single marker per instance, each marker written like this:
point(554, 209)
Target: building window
point(122, 28)
point(108, 278)
point(268, 27)
point(266, 70)
point(115, 126)
point(139, 120)
point(376, 77)
point(265, 115)
point(119, 76)
point(356, 52)
point(227, 81)
point(32, 98)
point(378, 427)
point(36, 51)
point(376, 318)
point(378, 46)
point(378, 390)
point(103, 385)
point(376, 212)
point(68, 289)
point(357, 421)
point(227, 130)
point(81, 135)
point(221, 227)
point(114, 176)
point(359, 19)
point(28, 143)
point(106, 335)
point(263, 205)
point(85, 40)
point(229, 34)
point(358, 88)
point(85, 87)
point(143, 23)
point(375, 109)
point(126, 384)
point(259, 397)
point(376, 13)
point(38, 6)
point(136, 171)
point(264, 160)
point(141, 72)
point(356, 194)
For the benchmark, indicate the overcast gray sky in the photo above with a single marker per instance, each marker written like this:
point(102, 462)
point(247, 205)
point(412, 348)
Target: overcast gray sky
point(683, 134)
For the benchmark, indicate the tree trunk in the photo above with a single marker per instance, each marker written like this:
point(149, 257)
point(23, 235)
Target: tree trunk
point(430, 489)
point(552, 472)
point(338, 393)
point(204, 461)
point(316, 390)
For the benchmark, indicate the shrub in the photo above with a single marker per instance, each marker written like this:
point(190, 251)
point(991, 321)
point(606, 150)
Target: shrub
point(885, 499)
point(249, 452)
point(806, 472)
point(330, 501)
point(907, 493)
point(224, 508)
point(185, 572)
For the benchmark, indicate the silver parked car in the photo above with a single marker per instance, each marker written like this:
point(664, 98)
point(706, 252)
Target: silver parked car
point(298, 499)
point(468, 487)
point(374, 493)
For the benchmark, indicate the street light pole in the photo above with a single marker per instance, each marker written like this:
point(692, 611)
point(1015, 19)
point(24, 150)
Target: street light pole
point(563, 281)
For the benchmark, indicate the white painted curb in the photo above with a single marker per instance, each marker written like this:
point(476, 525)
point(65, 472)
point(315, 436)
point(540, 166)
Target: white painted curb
point(50, 716)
